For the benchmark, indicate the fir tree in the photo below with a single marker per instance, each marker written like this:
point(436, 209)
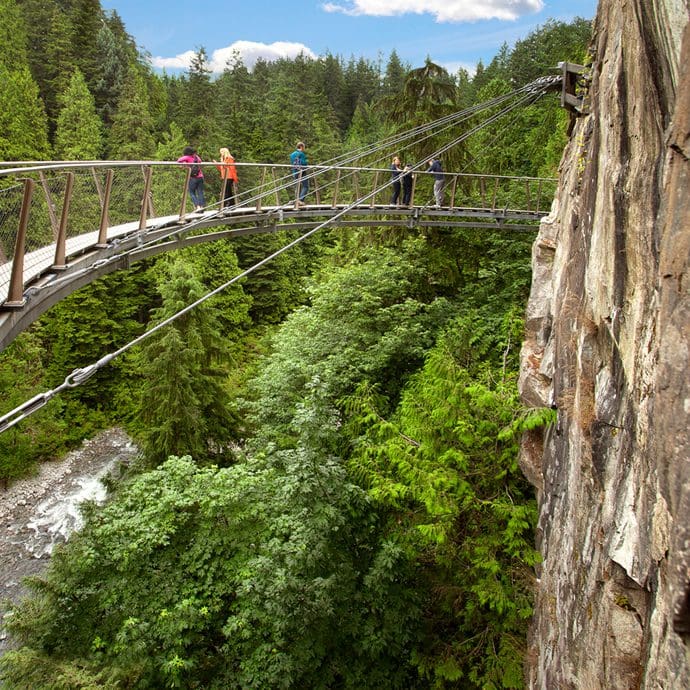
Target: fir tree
point(131, 137)
point(79, 130)
point(13, 52)
point(87, 19)
point(196, 104)
point(59, 63)
point(23, 122)
point(110, 74)
point(183, 406)
point(394, 78)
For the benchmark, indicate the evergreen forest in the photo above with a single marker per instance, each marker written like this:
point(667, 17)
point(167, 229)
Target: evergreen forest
point(328, 492)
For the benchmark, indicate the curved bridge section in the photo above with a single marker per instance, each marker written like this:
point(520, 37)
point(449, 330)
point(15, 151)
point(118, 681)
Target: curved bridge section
point(64, 225)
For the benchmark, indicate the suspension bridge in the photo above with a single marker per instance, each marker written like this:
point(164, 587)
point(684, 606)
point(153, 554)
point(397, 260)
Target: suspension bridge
point(65, 224)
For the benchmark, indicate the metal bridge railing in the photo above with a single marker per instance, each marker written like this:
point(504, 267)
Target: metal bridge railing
point(49, 212)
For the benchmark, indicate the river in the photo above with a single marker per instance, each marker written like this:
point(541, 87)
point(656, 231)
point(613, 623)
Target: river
point(42, 510)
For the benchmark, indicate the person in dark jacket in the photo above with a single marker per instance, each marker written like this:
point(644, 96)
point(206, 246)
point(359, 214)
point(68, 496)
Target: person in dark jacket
point(396, 169)
point(436, 169)
point(407, 178)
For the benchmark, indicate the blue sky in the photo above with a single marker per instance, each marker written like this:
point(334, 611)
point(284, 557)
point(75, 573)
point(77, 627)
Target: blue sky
point(454, 33)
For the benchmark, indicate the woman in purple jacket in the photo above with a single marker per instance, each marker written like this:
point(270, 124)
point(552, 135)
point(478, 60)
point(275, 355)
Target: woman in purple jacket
point(196, 180)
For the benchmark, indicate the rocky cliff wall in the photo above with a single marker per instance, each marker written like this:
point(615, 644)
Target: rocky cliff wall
point(607, 345)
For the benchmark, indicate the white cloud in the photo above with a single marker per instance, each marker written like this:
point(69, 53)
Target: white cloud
point(442, 10)
point(249, 51)
point(454, 67)
point(180, 61)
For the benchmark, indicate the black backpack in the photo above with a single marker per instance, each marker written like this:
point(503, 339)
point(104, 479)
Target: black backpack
point(196, 169)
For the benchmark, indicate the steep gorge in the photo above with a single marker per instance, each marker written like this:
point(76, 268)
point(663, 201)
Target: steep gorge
point(607, 345)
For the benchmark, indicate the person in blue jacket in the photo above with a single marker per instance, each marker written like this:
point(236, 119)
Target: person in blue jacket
point(298, 161)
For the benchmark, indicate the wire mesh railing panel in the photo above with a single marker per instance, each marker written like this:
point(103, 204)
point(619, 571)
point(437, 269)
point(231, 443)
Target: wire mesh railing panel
point(85, 203)
point(126, 195)
point(10, 207)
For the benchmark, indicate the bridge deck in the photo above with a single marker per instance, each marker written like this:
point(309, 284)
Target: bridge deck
point(40, 263)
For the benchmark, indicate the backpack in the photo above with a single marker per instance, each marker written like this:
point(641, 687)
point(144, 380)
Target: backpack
point(196, 169)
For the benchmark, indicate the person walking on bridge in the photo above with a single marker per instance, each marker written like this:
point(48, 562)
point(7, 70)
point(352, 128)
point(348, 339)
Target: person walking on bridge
point(196, 179)
point(407, 179)
point(299, 163)
point(436, 169)
point(396, 169)
point(228, 176)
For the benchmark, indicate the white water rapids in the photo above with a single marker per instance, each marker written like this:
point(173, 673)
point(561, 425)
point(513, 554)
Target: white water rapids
point(40, 511)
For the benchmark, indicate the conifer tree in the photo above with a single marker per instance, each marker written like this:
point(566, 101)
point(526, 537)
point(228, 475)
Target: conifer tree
point(236, 107)
point(79, 130)
point(13, 53)
point(394, 78)
point(110, 74)
point(333, 86)
point(196, 104)
point(131, 134)
point(23, 122)
point(59, 63)
point(87, 19)
point(183, 405)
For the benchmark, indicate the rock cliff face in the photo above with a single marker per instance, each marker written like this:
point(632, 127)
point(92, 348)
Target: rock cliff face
point(607, 345)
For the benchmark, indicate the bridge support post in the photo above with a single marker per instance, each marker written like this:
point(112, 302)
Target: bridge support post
point(275, 184)
point(145, 199)
point(15, 295)
point(298, 187)
point(376, 184)
point(262, 186)
point(495, 194)
point(223, 187)
point(538, 196)
point(105, 207)
point(61, 240)
point(183, 205)
point(335, 190)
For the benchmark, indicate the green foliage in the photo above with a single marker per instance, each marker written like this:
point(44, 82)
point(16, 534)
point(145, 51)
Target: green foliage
point(447, 467)
point(367, 320)
point(13, 53)
point(130, 136)
point(79, 134)
point(183, 405)
point(214, 264)
point(42, 435)
point(265, 574)
point(23, 123)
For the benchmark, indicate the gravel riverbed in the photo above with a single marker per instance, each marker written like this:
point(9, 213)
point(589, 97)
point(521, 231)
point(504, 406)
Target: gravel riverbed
point(39, 511)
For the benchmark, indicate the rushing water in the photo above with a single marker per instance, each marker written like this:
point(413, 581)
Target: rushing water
point(56, 517)
point(38, 512)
